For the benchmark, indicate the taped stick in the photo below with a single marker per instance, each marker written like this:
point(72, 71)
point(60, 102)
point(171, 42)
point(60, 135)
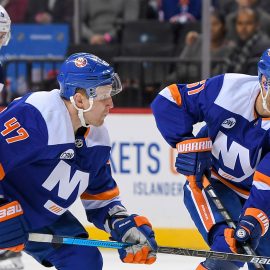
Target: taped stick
point(48, 238)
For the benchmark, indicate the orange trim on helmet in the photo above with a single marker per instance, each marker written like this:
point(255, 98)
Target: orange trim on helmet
point(175, 94)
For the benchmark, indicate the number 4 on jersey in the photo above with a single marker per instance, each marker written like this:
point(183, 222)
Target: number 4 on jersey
point(13, 125)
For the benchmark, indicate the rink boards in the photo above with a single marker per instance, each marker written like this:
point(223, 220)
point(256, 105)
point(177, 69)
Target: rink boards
point(143, 166)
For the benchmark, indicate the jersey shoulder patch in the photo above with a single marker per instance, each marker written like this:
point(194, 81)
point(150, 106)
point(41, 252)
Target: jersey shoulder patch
point(56, 116)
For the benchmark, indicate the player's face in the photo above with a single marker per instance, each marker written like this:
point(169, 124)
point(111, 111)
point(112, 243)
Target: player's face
point(101, 106)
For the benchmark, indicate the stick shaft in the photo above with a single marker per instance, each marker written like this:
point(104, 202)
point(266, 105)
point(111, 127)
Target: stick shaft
point(211, 192)
point(47, 238)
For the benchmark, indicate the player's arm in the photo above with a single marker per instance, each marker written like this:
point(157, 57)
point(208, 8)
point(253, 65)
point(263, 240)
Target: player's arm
point(254, 220)
point(23, 137)
point(176, 109)
point(20, 143)
point(179, 106)
point(104, 207)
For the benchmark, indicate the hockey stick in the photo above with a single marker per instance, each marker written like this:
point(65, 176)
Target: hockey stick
point(48, 238)
point(211, 192)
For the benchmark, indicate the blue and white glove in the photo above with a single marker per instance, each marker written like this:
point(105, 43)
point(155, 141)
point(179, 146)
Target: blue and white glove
point(249, 230)
point(194, 158)
point(133, 229)
point(12, 234)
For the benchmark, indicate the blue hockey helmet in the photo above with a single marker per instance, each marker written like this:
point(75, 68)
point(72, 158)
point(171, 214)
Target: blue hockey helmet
point(264, 65)
point(87, 71)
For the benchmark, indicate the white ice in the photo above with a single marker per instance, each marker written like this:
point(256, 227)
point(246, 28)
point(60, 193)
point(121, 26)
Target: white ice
point(112, 262)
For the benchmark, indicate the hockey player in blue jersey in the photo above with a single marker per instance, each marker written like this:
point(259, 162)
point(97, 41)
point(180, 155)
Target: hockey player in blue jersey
point(8, 260)
point(55, 148)
point(233, 150)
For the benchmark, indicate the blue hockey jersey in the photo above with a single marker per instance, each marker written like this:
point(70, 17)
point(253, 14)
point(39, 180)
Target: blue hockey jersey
point(46, 167)
point(241, 139)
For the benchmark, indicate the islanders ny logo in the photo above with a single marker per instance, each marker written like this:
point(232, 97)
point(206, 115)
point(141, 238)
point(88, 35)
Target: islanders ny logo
point(80, 62)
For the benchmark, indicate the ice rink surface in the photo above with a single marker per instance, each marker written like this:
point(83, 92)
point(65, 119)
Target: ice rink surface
point(112, 262)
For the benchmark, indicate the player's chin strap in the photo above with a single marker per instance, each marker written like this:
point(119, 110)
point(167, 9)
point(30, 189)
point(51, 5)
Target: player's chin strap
point(264, 98)
point(81, 111)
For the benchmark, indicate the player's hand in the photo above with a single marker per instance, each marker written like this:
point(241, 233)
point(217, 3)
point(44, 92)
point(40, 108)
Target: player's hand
point(138, 230)
point(250, 228)
point(12, 234)
point(194, 158)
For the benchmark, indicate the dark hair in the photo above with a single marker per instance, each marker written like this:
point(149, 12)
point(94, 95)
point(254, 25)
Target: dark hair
point(254, 11)
point(218, 15)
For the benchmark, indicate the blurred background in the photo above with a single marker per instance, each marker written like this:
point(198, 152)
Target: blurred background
point(151, 43)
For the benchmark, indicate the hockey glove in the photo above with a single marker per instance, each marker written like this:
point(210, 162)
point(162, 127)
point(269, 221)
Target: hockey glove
point(138, 231)
point(12, 234)
point(250, 228)
point(194, 158)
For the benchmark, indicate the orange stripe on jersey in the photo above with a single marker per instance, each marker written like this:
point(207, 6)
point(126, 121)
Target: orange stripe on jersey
point(175, 94)
point(230, 185)
point(55, 208)
point(2, 172)
point(194, 145)
point(260, 177)
point(201, 203)
point(107, 195)
point(260, 216)
point(87, 132)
